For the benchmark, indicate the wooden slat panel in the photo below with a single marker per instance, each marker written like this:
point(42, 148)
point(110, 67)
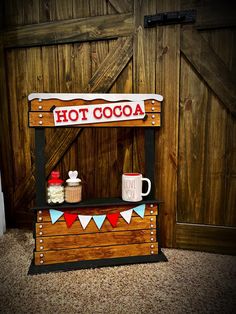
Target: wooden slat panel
point(121, 144)
point(101, 137)
point(224, 137)
point(48, 121)
point(5, 140)
point(144, 70)
point(212, 14)
point(95, 239)
point(206, 238)
point(205, 149)
point(68, 31)
point(122, 6)
point(113, 64)
point(208, 64)
point(61, 228)
point(54, 151)
point(62, 256)
point(192, 143)
point(47, 104)
point(167, 83)
point(44, 216)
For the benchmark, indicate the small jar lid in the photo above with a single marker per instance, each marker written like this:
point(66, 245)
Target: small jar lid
point(55, 180)
point(73, 180)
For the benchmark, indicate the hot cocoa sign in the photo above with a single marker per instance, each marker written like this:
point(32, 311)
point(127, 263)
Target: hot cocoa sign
point(76, 115)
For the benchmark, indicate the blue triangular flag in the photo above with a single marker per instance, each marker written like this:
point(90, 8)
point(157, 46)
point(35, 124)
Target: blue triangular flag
point(99, 219)
point(55, 215)
point(140, 210)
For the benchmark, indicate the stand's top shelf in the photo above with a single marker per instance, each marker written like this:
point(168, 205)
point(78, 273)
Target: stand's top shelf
point(101, 202)
point(94, 110)
point(88, 97)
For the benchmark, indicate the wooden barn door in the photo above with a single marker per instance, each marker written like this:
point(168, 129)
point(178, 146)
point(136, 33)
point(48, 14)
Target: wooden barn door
point(102, 46)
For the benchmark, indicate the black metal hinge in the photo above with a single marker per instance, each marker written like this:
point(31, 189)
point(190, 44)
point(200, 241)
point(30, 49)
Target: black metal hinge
point(168, 18)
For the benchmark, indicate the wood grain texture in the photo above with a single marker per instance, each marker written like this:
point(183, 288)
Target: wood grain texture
point(112, 64)
point(60, 227)
point(61, 256)
point(206, 238)
point(54, 151)
point(5, 141)
point(94, 239)
point(212, 14)
point(207, 64)
point(153, 68)
point(167, 83)
point(192, 143)
point(225, 170)
point(205, 145)
point(44, 216)
point(144, 70)
point(121, 6)
point(71, 30)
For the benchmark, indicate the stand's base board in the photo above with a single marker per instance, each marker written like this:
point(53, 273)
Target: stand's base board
point(42, 269)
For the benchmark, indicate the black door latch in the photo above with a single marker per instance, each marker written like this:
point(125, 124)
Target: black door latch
point(168, 18)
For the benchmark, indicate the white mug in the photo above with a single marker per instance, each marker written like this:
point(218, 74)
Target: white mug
point(132, 187)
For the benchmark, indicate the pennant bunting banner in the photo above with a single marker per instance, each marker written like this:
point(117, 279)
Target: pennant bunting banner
point(113, 218)
point(84, 220)
point(127, 214)
point(99, 220)
point(140, 210)
point(70, 219)
point(55, 215)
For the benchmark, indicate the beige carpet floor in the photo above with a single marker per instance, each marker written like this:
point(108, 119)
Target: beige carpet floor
point(190, 282)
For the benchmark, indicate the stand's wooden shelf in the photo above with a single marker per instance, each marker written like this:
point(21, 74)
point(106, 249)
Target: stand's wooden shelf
point(98, 202)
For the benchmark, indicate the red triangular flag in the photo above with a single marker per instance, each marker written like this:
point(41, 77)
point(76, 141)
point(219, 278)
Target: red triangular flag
point(113, 218)
point(70, 218)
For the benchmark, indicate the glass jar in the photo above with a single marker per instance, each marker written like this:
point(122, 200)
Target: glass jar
point(55, 189)
point(73, 190)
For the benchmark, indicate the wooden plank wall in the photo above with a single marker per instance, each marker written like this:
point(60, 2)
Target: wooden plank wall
point(206, 216)
point(195, 147)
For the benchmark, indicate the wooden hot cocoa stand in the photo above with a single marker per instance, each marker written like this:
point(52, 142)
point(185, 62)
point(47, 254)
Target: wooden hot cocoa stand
point(118, 239)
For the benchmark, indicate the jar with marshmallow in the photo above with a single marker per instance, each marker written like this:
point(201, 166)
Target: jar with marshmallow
point(55, 190)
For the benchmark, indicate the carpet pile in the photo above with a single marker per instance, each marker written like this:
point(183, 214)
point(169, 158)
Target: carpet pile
point(190, 282)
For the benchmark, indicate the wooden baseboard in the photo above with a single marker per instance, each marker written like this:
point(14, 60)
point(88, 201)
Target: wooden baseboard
point(207, 238)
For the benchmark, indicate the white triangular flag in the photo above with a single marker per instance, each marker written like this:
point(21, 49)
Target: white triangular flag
point(84, 220)
point(127, 214)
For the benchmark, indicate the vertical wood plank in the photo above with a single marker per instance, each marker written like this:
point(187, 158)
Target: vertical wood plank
point(45, 11)
point(6, 154)
point(14, 13)
point(194, 115)
point(66, 78)
point(144, 70)
point(99, 50)
point(64, 10)
point(31, 11)
point(82, 74)
point(167, 84)
point(224, 137)
point(121, 145)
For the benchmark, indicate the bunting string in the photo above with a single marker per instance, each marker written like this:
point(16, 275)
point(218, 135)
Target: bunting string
point(55, 215)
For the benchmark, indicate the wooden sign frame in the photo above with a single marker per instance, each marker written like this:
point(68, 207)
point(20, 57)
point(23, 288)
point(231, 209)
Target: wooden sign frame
point(42, 105)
